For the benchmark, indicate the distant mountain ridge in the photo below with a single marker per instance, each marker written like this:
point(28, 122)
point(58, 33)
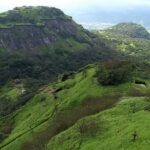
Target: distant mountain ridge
point(132, 30)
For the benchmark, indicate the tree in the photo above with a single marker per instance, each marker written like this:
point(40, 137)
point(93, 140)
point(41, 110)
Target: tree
point(114, 72)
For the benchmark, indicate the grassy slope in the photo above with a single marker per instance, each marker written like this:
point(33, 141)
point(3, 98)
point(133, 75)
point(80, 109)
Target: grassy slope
point(10, 91)
point(137, 47)
point(130, 30)
point(117, 126)
point(117, 123)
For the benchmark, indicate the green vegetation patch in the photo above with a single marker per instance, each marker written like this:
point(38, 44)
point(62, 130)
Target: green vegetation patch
point(119, 128)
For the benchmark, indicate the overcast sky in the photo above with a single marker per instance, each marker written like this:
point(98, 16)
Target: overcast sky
point(70, 5)
point(92, 10)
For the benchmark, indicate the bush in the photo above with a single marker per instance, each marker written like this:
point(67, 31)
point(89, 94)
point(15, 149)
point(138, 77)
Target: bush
point(88, 128)
point(8, 106)
point(2, 136)
point(5, 105)
point(136, 92)
point(147, 108)
point(114, 72)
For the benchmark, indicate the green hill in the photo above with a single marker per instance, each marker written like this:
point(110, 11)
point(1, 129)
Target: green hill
point(39, 43)
point(129, 39)
point(132, 30)
point(79, 113)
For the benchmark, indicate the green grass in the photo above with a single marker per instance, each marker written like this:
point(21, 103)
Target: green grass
point(61, 46)
point(35, 15)
point(136, 47)
point(10, 91)
point(39, 113)
point(117, 126)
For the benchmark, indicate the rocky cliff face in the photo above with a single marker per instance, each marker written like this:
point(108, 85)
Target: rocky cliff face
point(38, 33)
point(23, 37)
point(28, 37)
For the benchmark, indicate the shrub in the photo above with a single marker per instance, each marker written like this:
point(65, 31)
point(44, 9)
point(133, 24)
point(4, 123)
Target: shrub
point(136, 92)
point(22, 100)
point(2, 136)
point(8, 106)
point(147, 108)
point(114, 72)
point(6, 126)
point(5, 105)
point(88, 128)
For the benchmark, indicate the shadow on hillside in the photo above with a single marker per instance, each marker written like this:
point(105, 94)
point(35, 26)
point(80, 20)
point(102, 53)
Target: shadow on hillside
point(67, 118)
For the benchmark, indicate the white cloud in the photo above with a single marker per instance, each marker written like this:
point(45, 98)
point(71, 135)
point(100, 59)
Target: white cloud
point(99, 2)
point(70, 4)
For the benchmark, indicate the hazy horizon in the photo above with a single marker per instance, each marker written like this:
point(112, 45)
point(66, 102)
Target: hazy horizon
point(68, 5)
point(95, 11)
